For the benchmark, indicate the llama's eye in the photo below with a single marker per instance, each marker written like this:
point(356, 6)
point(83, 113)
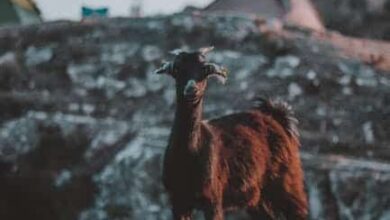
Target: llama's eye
point(202, 58)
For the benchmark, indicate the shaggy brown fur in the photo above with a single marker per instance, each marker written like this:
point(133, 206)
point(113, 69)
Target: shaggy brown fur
point(248, 160)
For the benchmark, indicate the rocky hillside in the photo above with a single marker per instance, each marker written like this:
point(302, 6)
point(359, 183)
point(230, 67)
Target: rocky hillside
point(84, 121)
point(360, 18)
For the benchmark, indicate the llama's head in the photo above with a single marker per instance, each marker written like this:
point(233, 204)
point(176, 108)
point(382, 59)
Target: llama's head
point(191, 71)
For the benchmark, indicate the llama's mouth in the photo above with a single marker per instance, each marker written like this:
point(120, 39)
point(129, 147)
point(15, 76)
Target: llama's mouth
point(190, 92)
point(193, 97)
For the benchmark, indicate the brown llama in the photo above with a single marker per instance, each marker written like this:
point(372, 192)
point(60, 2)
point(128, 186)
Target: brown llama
point(248, 160)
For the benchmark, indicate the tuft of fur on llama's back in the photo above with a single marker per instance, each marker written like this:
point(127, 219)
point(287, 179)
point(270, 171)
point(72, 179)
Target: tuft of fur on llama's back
point(282, 112)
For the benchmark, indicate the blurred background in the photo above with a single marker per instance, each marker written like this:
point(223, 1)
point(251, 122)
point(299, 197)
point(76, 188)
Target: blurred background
point(84, 122)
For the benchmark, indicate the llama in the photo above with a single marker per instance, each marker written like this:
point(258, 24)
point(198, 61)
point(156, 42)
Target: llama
point(247, 160)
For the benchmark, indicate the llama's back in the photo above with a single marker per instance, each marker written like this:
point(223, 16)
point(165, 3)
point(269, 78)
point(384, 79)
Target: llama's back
point(274, 115)
point(256, 147)
point(286, 192)
point(243, 152)
point(281, 112)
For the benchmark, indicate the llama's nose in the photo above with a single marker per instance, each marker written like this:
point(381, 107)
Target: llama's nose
point(190, 88)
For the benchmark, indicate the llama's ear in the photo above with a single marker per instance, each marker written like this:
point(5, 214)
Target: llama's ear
point(205, 50)
point(176, 52)
point(217, 71)
point(166, 67)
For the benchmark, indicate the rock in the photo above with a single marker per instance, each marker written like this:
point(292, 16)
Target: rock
point(284, 66)
point(151, 53)
point(8, 57)
point(331, 194)
point(35, 56)
point(294, 90)
point(368, 133)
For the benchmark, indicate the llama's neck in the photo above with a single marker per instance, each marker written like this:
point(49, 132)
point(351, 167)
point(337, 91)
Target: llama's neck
point(187, 124)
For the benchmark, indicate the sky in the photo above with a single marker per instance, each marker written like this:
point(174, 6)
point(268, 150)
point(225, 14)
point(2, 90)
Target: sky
point(71, 9)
